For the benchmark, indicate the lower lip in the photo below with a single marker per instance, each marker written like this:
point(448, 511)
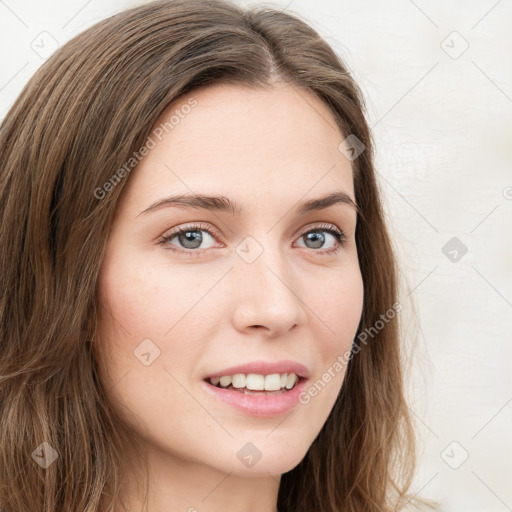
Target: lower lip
point(261, 404)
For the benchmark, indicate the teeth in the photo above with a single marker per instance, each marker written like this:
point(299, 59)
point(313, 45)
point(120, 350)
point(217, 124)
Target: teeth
point(239, 380)
point(225, 381)
point(257, 382)
point(291, 380)
point(273, 382)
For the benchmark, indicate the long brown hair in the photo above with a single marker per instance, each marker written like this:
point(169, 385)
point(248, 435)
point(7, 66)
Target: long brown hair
point(80, 118)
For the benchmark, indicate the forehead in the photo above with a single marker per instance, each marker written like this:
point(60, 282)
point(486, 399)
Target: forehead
point(250, 143)
point(235, 118)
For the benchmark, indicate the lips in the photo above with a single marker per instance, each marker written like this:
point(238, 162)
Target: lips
point(259, 388)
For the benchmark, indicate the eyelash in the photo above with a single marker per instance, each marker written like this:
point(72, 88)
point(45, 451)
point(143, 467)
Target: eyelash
point(329, 228)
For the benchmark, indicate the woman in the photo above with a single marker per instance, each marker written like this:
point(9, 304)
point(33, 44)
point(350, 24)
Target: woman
point(199, 301)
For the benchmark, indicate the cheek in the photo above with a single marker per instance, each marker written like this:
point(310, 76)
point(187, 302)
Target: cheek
point(145, 300)
point(130, 306)
point(142, 325)
point(340, 308)
point(148, 307)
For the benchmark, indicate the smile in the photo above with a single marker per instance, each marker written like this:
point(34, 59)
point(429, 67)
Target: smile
point(255, 383)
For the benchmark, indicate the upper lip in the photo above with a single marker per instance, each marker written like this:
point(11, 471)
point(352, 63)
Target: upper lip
point(264, 368)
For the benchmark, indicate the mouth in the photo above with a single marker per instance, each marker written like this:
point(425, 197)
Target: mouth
point(257, 394)
point(256, 383)
point(259, 389)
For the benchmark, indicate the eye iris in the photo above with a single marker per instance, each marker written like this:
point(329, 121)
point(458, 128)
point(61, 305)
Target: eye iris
point(317, 238)
point(195, 237)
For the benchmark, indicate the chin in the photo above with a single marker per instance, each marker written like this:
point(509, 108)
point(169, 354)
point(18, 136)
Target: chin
point(274, 456)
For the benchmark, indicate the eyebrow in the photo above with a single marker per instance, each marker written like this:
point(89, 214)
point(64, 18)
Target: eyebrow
point(224, 204)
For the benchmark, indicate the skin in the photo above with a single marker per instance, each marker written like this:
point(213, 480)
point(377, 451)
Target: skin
point(267, 149)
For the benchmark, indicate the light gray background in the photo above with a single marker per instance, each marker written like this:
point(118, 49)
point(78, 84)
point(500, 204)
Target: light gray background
point(441, 115)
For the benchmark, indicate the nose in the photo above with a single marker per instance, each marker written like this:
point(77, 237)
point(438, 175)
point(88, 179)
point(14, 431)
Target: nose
point(267, 296)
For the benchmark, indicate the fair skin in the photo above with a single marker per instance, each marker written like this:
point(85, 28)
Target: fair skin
point(208, 309)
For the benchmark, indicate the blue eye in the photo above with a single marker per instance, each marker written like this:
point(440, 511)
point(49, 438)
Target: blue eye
point(191, 238)
point(317, 237)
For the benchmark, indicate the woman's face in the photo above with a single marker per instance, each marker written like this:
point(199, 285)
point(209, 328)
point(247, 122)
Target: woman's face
point(265, 291)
